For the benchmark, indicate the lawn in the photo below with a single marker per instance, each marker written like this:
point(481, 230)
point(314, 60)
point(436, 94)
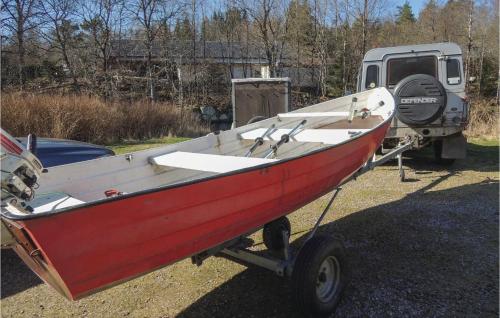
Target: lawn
point(136, 145)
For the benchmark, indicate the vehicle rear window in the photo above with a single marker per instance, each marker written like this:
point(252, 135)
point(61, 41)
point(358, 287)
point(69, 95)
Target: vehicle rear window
point(399, 68)
point(371, 76)
point(453, 72)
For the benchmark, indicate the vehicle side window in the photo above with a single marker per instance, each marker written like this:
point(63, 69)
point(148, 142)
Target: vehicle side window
point(371, 80)
point(453, 72)
point(399, 68)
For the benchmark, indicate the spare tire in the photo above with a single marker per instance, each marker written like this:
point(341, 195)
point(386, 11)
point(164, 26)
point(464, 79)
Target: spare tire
point(420, 99)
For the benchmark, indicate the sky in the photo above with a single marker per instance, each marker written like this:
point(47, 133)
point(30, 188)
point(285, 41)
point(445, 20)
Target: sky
point(416, 5)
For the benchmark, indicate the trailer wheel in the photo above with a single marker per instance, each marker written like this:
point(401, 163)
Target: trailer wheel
point(319, 276)
point(255, 119)
point(273, 233)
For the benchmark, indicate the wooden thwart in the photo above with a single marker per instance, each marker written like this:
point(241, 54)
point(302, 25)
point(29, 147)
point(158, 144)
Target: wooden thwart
point(207, 162)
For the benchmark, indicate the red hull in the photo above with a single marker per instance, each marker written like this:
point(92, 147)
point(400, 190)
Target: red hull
point(89, 248)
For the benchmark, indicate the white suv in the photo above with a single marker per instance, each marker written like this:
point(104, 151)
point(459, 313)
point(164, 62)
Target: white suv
point(428, 85)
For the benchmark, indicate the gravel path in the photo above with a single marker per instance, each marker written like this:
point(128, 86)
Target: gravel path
point(424, 248)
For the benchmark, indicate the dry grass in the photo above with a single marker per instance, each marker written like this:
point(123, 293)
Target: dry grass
point(483, 121)
point(88, 118)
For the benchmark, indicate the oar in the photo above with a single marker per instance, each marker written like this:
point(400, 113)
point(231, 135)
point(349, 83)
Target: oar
point(259, 141)
point(284, 139)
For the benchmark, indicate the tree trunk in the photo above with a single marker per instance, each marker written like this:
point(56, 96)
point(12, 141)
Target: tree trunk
point(20, 43)
point(481, 59)
point(21, 54)
point(364, 27)
point(64, 51)
point(469, 46)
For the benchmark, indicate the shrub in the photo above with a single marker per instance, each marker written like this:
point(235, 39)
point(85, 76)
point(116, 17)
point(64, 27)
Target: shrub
point(483, 120)
point(88, 118)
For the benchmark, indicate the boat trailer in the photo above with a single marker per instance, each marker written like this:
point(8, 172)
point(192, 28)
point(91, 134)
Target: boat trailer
point(318, 267)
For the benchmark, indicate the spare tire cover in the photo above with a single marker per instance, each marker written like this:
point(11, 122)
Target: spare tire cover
point(420, 99)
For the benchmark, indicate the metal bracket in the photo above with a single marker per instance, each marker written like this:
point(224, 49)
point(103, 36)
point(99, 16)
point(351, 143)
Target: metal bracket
point(276, 265)
point(318, 222)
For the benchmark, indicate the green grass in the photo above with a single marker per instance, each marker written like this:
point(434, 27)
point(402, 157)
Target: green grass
point(137, 145)
point(484, 142)
point(486, 149)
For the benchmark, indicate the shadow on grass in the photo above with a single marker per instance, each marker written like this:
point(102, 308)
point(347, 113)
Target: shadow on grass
point(15, 275)
point(481, 156)
point(431, 252)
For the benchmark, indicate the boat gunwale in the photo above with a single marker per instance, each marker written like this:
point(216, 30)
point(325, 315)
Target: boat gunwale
point(75, 208)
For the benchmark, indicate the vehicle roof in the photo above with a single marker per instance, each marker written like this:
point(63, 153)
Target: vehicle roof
point(446, 48)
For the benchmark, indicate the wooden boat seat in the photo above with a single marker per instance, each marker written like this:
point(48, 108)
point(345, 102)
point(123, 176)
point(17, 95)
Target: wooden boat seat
point(206, 162)
point(326, 136)
point(53, 201)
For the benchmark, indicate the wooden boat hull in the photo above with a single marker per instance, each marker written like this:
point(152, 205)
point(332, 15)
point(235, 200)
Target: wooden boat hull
point(96, 246)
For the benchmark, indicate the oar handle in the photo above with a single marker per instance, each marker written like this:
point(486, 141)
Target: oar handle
point(259, 141)
point(284, 139)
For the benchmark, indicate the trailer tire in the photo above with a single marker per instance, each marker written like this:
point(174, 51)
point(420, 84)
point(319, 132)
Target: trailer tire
point(319, 276)
point(255, 119)
point(273, 233)
point(438, 150)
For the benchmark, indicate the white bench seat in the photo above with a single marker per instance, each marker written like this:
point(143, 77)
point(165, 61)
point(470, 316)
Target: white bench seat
point(326, 136)
point(207, 162)
point(316, 114)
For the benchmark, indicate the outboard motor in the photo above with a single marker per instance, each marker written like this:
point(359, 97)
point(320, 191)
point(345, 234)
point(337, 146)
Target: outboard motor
point(20, 173)
point(420, 99)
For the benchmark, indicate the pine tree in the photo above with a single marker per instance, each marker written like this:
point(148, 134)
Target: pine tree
point(405, 14)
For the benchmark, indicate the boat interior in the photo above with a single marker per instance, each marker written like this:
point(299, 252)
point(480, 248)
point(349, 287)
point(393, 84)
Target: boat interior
point(285, 136)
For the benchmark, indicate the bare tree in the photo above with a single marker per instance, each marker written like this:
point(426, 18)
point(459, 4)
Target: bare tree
point(322, 44)
point(148, 14)
point(152, 15)
point(20, 18)
point(98, 21)
point(469, 44)
point(61, 35)
point(272, 24)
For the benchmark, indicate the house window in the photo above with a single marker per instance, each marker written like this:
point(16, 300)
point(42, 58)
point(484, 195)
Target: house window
point(371, 80)
point(453, 72)
point(399, 68)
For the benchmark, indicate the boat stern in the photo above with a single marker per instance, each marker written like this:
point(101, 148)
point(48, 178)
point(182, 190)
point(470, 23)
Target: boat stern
point(14, 236)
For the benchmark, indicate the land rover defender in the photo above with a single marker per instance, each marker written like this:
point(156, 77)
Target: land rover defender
point(428, 85)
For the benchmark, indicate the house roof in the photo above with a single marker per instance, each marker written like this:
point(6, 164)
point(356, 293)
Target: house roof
point(136, 49)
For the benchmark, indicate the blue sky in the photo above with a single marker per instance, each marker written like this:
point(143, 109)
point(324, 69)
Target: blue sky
point(416, 5)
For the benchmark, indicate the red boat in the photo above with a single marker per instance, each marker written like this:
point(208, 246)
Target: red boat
point(93, 224)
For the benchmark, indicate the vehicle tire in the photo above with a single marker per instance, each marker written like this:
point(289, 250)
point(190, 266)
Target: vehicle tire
point(273, 233)
point(319, 276)
point(420, 99)
point(255, 119)
point(438, 150)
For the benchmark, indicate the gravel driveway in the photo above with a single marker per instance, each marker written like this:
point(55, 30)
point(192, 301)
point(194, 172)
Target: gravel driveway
point(427, 247)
